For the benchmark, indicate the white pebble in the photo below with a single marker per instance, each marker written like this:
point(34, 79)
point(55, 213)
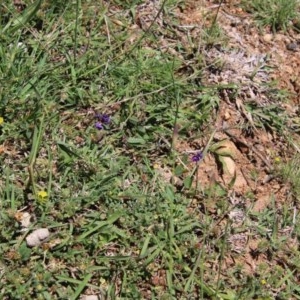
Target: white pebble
point(90, 297)
point(36, 237)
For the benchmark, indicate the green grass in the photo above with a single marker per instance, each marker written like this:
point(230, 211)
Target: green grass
point(277, 14)
point(289, 171)
point(118, 227)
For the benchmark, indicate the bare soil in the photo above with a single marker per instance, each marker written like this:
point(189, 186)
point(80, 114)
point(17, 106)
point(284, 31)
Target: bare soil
point(255, 150)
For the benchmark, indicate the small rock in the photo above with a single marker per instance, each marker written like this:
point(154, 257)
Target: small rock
point(90, 297)
point(37, 237)
point(25, 222)
point(24, 218)
point(292, 46)
point(227, 115)
point(268, 37)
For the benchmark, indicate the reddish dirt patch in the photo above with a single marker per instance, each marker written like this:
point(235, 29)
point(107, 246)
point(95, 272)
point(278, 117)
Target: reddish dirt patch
point(254, 152)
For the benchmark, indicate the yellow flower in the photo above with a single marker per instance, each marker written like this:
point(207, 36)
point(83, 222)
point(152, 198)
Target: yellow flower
point(263, 282)
point(1, 120)
point(277, 159)
point(42, 195)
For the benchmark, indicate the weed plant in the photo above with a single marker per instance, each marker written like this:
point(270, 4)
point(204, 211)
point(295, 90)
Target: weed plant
point(278, 14)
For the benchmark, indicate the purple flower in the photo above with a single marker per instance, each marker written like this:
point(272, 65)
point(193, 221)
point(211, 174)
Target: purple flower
point(98, 125)
point(197, 157)
point(103, 118)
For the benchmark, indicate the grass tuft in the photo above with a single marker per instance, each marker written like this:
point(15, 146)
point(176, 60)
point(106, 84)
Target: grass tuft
point(277, 14)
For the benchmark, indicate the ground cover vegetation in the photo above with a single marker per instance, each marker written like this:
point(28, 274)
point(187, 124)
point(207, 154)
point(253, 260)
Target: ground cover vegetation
point(146, 152)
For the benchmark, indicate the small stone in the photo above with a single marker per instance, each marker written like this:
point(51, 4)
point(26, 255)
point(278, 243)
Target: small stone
point(292, 46)
point(37, 237)
point(268, 37)
point(25, 222)
point(90, 297)
point(24, 218)
point(227, 115)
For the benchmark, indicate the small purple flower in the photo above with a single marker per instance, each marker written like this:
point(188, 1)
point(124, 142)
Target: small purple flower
point(103, 118)
point(197, 157)
point(98, 125)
